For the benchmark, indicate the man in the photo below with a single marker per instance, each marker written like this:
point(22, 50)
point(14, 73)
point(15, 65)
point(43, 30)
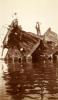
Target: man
point(14, 36)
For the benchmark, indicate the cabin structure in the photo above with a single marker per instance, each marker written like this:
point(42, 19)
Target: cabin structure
point(51, 37)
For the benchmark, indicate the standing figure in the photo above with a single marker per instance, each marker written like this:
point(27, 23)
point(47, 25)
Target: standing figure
point(38, 29)
point(15, 35)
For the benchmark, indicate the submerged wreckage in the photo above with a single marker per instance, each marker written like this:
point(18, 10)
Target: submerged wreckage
point(24, 45)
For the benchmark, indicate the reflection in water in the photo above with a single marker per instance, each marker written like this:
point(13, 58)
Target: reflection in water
point(30, 81)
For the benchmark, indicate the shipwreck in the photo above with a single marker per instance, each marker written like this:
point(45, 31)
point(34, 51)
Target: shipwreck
point(22, 45)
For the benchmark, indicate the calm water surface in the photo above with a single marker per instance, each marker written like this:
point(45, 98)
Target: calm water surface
point(29, 81)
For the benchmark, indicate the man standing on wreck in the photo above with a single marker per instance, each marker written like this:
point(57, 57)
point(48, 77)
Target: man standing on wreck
point(15, 34)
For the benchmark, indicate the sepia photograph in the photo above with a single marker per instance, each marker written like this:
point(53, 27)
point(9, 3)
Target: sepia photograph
point(28, 49)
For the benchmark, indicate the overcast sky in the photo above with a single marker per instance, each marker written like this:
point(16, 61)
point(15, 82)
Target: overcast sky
point(29, 12)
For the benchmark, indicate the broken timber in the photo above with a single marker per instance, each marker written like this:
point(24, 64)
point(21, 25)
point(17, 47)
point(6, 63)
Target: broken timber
point(20, 43)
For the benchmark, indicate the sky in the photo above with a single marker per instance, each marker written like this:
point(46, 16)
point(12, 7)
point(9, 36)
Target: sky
point(28, 13)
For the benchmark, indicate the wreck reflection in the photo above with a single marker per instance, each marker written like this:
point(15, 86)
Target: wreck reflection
point(29, 81)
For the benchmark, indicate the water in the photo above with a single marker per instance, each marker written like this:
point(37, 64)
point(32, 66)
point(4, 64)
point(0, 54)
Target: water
point(29, 81)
